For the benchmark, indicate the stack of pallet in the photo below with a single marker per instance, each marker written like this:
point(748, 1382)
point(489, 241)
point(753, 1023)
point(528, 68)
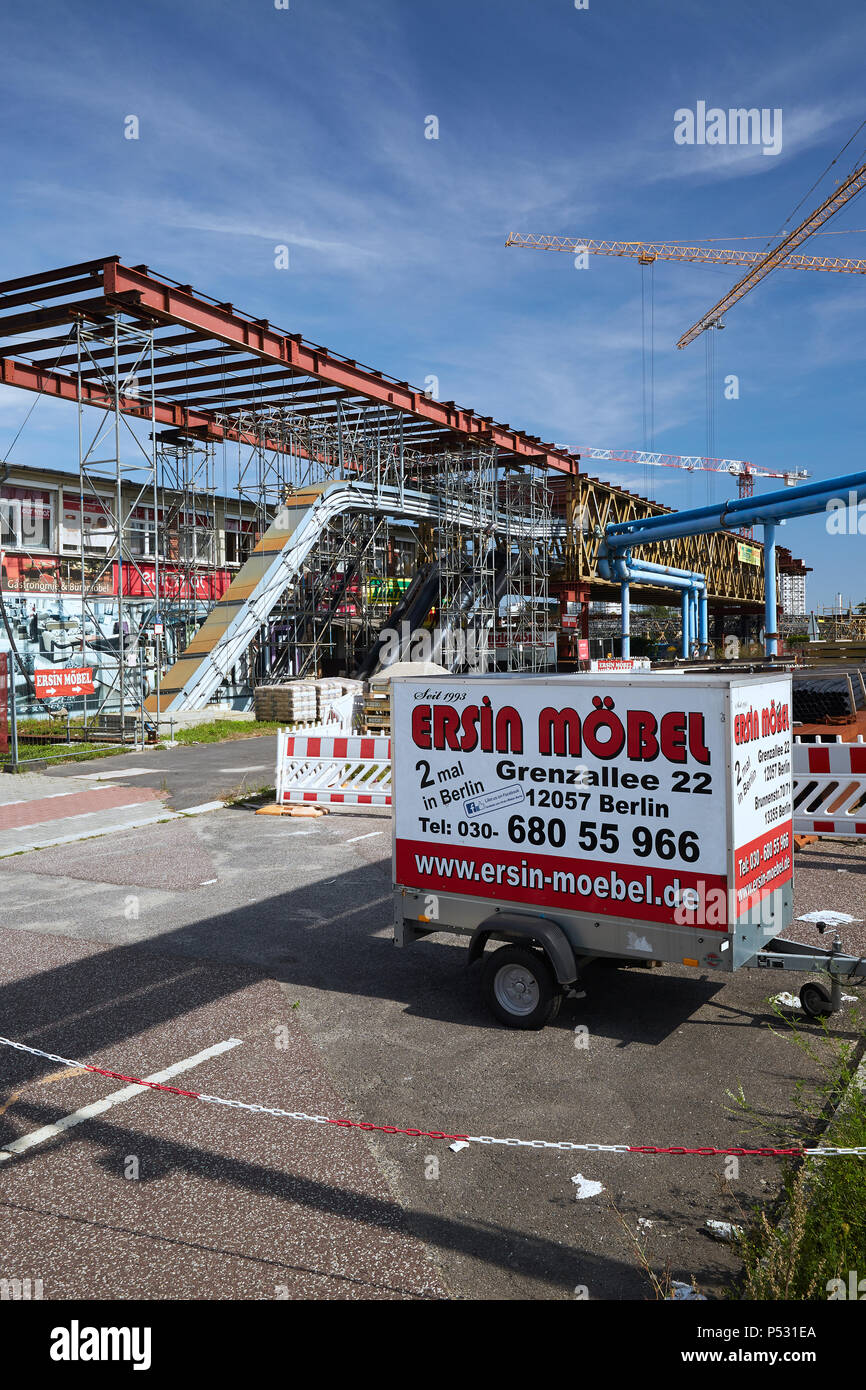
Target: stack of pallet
point(377, 709)
point(327, 691)
point(377, 701)
point(292, 703)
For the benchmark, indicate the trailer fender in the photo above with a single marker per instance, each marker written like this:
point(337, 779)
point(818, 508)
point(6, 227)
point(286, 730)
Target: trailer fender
point(517, 926)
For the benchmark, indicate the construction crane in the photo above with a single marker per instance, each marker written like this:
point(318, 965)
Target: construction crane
point(648, 251)
point(780, 255)
point(744, 471)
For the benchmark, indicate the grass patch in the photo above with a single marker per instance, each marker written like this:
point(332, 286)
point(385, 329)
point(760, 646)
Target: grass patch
point(816, 1230)
point(223, 730)
point(237, 796)
point(49, 753)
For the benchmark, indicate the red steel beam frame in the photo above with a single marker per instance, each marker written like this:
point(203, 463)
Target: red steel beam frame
point(66, 388)
point(173, 305)
point(133, 291)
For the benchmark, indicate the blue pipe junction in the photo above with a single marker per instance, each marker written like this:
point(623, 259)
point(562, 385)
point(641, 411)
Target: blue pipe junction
point(769, 511)
point(692, 586)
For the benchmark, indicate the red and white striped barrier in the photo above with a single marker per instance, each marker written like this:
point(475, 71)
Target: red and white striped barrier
point(829, 788)
point(705, 1151)
point(349, 771)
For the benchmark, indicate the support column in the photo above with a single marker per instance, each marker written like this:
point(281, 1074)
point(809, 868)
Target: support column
point(686, 604)
point(625, 599)
point(704, 623)
point(770, 633)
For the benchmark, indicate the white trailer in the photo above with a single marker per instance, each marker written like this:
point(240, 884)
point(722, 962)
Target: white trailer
point(636, 817)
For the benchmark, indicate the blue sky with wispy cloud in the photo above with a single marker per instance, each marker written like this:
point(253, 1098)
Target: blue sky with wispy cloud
point(306, 127)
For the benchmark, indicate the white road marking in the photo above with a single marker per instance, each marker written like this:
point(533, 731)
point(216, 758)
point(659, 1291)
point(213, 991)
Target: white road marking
point(256, 767)
point(118, 772)
point(287, 834)
point(99, 1107)
point(368, 836)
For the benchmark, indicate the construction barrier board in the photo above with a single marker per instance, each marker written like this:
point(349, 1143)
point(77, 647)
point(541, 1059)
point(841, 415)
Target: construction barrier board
point(350, 771)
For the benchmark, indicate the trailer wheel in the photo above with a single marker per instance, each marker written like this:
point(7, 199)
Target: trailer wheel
point(520, 988)
point(815, 1000)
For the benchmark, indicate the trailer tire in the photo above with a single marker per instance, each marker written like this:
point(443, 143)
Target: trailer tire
point(815, 999)
point(520, 988)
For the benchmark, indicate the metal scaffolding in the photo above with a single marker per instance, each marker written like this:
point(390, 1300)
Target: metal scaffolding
point(186, 526)
point(529, 635)
point(112, 356)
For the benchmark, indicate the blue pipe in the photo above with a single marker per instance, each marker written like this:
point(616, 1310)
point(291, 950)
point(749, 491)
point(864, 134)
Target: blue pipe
point(641, 571)
point(689, 581)
point(693, 587)
point(805, 500)
point(664, 569)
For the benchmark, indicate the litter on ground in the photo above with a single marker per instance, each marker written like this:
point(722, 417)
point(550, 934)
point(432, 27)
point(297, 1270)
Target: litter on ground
point(724, 1230)
point(586, 1187)
point(686, 1291)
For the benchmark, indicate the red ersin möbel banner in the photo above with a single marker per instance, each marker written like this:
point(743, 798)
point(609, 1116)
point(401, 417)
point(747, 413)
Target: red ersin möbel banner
point(66, 681)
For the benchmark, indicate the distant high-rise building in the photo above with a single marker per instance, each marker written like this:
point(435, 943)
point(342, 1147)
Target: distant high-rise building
point(792, 583)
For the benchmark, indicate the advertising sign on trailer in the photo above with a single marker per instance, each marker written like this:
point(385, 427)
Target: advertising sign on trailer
point(760, 756)
point(614, 796)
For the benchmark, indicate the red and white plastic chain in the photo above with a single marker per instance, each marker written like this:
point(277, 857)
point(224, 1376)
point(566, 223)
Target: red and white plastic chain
point(562, 1144)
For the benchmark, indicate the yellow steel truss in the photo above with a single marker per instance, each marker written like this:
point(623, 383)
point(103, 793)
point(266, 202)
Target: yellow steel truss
point(590, 505)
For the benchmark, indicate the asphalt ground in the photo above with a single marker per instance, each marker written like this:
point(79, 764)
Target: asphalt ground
point(162, 1197)
point(189, 774)
point(165, 941)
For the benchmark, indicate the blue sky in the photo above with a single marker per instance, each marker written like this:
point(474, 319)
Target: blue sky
point(306, 127)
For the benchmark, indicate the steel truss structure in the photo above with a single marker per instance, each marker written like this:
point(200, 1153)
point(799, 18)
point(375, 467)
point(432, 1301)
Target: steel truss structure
point(197, 400)
point(588, 506)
